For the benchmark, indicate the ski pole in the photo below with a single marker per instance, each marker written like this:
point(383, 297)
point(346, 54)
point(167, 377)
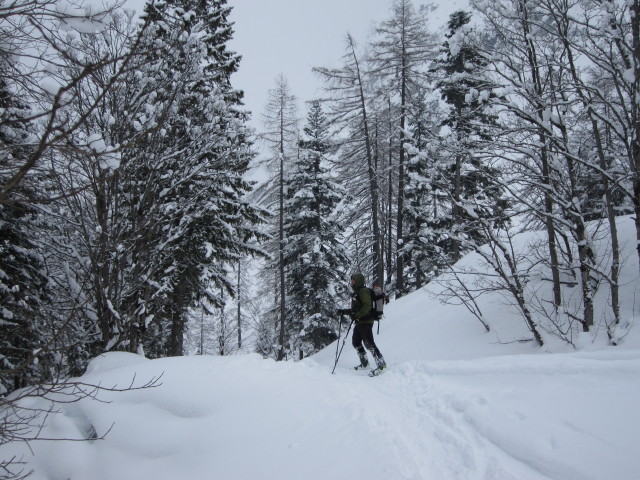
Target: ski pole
point(342, 314)
point(343, 342)
point(338, 342)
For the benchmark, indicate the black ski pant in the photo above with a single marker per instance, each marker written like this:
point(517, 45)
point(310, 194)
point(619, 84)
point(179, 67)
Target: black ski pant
point(363, 334)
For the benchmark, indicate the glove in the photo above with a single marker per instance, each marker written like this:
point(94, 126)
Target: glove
point(344, 311)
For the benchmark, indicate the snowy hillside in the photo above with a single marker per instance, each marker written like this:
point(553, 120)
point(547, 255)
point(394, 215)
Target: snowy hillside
point(456, 403)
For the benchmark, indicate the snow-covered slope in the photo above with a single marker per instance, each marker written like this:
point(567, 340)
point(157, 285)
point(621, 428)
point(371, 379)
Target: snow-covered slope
point(456, 403)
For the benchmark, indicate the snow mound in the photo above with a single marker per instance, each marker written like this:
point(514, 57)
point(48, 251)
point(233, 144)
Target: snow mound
point(456, 403)
point(112, 361)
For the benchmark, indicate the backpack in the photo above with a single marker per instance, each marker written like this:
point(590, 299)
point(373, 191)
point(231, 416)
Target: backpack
point(377, 302)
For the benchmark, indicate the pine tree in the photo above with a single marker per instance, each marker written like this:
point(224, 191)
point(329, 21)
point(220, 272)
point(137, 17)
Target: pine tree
point(400, 57)
point(314, 254)
point(23, 284)
point(281, 134)
point(422, 192)
point(470, 182)
point(181, 184)
point(350, 113)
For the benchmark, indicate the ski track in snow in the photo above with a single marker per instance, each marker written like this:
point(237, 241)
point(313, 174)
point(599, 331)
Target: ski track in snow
point(457, 403)
point(470, 420)
point(511, 417)
point(428, 431)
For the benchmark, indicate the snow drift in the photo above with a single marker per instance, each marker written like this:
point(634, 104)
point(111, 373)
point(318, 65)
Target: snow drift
point(456, 403)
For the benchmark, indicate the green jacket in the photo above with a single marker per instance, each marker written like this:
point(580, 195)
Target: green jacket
point(361, 302)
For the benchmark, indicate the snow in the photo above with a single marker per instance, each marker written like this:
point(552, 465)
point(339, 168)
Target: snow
point(456, 403)
point(50, 86)
point(97, 143)
point(86, 19)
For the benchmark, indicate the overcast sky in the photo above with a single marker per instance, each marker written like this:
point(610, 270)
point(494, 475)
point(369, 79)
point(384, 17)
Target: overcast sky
point(290, 37)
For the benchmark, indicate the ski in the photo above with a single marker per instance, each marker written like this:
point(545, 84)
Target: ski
point(377, 371)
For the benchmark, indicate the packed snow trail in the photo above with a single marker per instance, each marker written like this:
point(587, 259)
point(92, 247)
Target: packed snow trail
point(511, 418)
point(457, 403)
point(561, 417)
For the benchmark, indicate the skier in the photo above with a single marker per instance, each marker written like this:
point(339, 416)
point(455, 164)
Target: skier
point(361, 305)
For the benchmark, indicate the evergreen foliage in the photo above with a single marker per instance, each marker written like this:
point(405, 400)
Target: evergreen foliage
point(189, 220)
point(24, 286)
point(350, 115)
point(281, 123)
point(399, 61)
point(423, 193)
point(314, 255)
point(151, 211)
point(466, 185)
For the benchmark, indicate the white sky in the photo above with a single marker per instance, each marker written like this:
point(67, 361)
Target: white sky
point(290, 37)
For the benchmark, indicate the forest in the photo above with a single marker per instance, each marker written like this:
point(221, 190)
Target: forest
point(127, 222)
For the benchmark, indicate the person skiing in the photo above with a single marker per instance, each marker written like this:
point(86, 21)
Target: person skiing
point(361, 305)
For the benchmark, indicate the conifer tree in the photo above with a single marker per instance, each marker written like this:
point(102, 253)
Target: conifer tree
point(23, 284)
point(281, 135)
point(314, 254)
point(470, 182)
point(350, 113)
point(422, 192)
point(188, 220)
point(53, 162)
point(400, 57)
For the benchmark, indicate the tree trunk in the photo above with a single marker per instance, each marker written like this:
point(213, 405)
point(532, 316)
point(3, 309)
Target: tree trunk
point(401, 179)
point(544, 157)
point(390, 204)
point(455, 213)
point(176, 338)
point(202, 330)
point(515, 285)
point(604, 167)
point(378, 260)
point(634, 8)
point(281, 335)
point(239, 311)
